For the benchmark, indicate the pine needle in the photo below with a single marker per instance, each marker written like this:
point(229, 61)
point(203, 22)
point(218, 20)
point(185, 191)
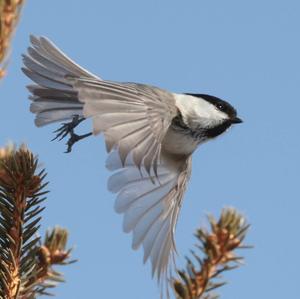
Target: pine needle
point(9, 16)
point(217, 256)
point(26, 264)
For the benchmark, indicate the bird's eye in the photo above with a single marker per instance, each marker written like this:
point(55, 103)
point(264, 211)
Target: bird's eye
point(220, 107)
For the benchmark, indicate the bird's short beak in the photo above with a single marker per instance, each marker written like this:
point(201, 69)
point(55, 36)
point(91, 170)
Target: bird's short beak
point(236, 120)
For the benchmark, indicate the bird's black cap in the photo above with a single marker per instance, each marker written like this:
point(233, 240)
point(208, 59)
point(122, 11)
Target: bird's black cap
point(221, 105)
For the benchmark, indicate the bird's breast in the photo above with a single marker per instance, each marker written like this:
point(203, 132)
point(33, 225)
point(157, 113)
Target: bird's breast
point(179, 142)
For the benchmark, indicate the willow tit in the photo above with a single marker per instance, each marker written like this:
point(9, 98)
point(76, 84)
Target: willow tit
point(150, 135)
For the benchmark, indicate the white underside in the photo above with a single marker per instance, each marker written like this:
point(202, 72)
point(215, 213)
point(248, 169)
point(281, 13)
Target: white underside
point(177, 143)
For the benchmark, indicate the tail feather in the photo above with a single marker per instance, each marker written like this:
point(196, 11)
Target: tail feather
point(49, 117)
point(46, 82)
point(50, 105)
point(54, 54)
point(53, 97)
point(45, 61)
point(52, 94)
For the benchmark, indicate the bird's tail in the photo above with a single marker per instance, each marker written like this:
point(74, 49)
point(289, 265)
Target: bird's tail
point(53, 97)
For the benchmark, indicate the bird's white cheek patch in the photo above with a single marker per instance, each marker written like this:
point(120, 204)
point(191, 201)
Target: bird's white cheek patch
point(209, 116)
point(208, 122)
point(199, 113)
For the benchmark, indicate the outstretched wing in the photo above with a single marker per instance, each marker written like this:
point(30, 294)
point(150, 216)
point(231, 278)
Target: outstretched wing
point(133, 117)
point(150, 206)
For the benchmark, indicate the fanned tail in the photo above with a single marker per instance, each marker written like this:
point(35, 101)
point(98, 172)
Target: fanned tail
point(53, 97)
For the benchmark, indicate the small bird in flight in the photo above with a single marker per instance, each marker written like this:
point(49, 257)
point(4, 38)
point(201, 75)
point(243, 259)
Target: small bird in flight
point(150, 135)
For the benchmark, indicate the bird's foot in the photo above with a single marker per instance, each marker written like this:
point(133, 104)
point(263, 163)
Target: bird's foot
point(67, 128)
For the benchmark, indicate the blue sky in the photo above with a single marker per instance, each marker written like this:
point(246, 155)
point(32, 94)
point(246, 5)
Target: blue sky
point(246, 52)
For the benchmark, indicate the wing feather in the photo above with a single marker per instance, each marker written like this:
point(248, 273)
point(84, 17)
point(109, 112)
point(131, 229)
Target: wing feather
point(152, 107)
point(150, 206)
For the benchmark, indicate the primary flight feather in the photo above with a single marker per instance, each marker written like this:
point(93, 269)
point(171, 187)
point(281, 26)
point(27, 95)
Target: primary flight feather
point(150, 135)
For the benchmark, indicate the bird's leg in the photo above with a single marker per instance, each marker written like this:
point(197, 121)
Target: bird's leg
point(68, 128)
point(74, 138)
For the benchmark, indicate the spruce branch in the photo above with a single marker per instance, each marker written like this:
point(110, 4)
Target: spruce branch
point(52, 252)
point(9, 16)
point(26, 264)
point(218, 247)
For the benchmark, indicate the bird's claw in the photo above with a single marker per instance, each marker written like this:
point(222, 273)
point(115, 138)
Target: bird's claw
point(62, 132)
point(67, 128)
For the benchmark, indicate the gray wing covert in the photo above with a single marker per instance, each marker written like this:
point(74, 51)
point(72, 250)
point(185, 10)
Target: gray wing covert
point(133, 117)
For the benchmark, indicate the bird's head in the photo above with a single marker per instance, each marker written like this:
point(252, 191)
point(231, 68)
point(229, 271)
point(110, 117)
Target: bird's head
point(212, 115)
